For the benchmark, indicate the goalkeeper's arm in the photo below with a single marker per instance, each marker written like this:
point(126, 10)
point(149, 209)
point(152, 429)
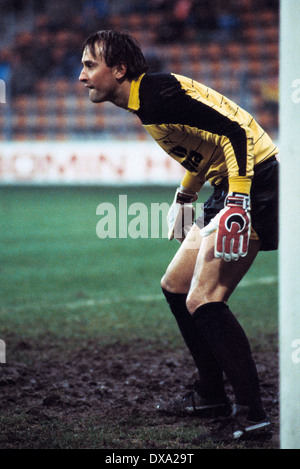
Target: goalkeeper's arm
point(181, 213)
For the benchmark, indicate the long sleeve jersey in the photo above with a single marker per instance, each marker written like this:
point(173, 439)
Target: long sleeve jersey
point(208, 134)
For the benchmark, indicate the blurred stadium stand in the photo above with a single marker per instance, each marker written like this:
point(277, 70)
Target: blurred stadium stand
point(231, 46)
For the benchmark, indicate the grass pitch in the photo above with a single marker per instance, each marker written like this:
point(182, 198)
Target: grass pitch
point(62, 286)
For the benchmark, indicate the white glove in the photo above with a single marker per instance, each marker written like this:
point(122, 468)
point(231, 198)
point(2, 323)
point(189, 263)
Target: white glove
point(181, 214)
point(233, 226)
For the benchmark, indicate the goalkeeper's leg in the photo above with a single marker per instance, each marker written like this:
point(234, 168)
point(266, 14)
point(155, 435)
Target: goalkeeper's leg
point(210, 385)
point(209, 283)
point(175, 286)
point(213, 282)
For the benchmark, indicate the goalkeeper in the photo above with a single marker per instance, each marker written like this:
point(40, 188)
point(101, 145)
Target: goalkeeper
point(216, 141)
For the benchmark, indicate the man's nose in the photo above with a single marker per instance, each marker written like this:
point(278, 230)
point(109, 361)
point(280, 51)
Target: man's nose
point(82, 76)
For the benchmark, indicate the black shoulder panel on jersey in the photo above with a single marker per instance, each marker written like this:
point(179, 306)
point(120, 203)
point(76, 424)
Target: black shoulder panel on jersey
point(157, 90)
point(164, 101)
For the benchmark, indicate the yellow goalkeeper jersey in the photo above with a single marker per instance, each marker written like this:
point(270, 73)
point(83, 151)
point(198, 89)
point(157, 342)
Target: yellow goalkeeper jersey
point(208, 134)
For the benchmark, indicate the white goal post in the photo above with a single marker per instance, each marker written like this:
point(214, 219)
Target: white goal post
point(289, 251)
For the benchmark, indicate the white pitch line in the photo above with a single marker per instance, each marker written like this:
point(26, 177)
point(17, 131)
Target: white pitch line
point(259, 281)
point(159, 297)
point(115, 300)
point(271, 280)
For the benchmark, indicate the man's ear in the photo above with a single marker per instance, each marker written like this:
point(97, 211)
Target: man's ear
point(120, 71)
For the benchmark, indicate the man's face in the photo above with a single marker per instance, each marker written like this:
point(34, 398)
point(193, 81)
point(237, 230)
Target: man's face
point(98, 77)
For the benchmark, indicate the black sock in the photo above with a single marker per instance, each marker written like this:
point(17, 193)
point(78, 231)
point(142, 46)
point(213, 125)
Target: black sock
point(231, 348)
point(211, 382)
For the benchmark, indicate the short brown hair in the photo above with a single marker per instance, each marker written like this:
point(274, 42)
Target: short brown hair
point(119, 48)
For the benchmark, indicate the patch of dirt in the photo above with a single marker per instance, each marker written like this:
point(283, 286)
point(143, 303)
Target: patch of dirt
point(111, 381)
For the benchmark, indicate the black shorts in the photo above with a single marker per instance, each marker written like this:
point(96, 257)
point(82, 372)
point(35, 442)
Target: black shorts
point(264, 203)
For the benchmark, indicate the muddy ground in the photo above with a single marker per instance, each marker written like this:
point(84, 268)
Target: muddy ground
point(109, 382)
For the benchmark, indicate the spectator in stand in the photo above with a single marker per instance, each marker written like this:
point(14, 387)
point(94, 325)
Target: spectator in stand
point(175, 21)
point(228, 23)
point(204, 16)
point(94, 13)
point(23, 74)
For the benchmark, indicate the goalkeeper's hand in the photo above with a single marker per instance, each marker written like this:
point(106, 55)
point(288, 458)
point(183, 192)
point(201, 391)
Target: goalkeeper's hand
point(181, 214)
point(233, 225)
